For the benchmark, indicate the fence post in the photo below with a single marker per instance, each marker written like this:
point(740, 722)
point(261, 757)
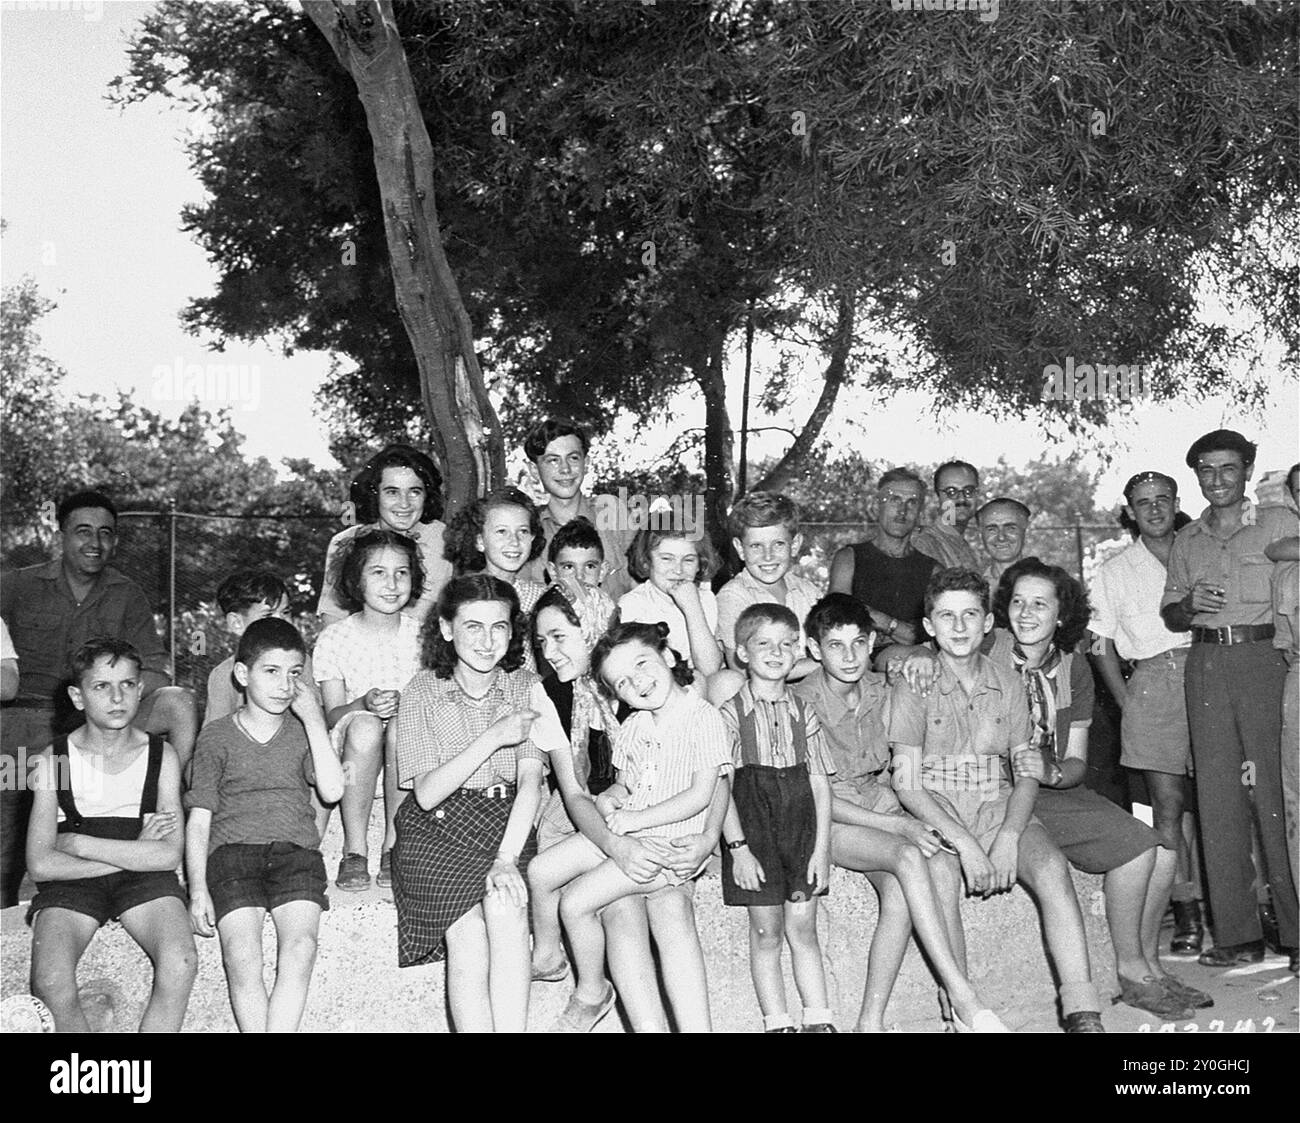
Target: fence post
point(171, 585)
point(1078, 543)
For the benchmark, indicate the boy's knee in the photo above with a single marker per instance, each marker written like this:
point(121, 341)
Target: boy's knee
point(767, 936)
point(54, 985)
point(178, 964)
point(300, 946)
point(910, 861)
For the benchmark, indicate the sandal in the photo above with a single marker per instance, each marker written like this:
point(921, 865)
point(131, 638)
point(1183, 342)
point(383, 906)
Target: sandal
point(984, 1021)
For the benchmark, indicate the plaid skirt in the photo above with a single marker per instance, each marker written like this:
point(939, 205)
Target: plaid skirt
point(441, 861)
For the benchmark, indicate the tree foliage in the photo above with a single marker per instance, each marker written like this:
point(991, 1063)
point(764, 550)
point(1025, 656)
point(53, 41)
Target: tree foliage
point(620, 183)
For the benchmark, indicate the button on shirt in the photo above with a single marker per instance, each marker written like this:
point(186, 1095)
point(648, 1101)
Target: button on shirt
point(658, 759)
point(774, 728)
point(743, 590)
point(1236, 562)
point(1126, 595)
point(47, 624)
point(437, 720)
point(856, 736)
point(956, 732)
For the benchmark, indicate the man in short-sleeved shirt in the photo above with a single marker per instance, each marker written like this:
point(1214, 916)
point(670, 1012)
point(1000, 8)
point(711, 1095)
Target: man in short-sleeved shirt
point(51, 610)
point(1219, 586)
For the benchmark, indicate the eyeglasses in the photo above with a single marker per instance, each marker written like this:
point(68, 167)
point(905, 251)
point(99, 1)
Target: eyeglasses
point(962, 492)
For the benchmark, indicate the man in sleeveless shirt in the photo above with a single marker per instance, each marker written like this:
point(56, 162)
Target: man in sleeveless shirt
point(888, 574)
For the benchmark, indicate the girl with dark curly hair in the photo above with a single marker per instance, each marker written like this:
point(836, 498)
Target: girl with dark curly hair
point(399, 489)
point(498, 535)
point(473, 735)
point(1046, 612)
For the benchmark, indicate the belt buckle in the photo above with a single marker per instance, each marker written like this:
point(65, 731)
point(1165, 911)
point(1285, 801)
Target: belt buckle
point(1225, 634)
point(496, 791)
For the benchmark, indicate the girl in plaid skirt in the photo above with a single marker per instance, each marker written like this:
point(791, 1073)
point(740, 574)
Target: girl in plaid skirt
point(473, 732)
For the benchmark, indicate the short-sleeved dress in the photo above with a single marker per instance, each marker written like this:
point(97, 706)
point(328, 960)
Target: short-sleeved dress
point(442, 856)
point(349, 653)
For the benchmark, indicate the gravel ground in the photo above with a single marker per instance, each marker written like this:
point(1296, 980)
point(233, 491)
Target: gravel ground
point(357, 986)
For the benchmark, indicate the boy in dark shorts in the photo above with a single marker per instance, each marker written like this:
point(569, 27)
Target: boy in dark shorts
point(251, 842)
point(776, 858)
point(104, 842)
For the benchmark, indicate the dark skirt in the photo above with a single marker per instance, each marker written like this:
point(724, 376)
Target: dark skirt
point(441, 861)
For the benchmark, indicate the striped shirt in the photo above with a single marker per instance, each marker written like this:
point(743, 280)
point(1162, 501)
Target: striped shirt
point(437, 721)
point(658, 759)
point(775, 734)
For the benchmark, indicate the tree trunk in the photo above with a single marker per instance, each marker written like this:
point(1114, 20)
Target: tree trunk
point(792, 462)
point(718, 441)
point(467, 437)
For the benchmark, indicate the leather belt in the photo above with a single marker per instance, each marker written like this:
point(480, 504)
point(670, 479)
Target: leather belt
point(1233, 633)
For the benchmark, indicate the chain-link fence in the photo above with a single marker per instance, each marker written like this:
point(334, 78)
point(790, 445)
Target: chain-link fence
point(180, 558)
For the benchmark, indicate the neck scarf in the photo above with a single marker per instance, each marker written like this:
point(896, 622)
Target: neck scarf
point(1040, 688)
point(591, 710)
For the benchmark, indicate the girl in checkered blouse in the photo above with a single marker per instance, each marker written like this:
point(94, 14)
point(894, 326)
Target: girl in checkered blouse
point(668, 755)
point(472, 737)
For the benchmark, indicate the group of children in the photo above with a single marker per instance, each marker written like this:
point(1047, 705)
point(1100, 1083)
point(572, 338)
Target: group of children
point(669, 722)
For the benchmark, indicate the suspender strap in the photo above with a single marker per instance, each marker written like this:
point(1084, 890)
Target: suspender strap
point(149, 793)
point(63, 778)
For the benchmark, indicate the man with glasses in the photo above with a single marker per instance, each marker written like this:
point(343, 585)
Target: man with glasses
point(1219, 588)
point(957, 484)
point(888, 574)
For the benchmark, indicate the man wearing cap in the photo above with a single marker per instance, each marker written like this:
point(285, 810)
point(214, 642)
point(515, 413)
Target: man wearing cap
point(1218, 586)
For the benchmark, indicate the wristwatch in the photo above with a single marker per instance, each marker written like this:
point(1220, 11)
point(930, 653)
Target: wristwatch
point(737, 844)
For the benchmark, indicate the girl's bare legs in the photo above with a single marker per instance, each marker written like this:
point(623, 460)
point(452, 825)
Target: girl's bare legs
point(1126, 894)
point(672, 919)
point(548, 874)
point(392, 793)
point(467, 974)
point(632, 965)
point(363, 756)
point(509, 969)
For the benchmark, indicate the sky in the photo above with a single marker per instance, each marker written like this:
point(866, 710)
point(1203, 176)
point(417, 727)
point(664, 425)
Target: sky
point(92, 197)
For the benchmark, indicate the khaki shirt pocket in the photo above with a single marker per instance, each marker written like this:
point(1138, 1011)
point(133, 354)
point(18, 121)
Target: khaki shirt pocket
point(1256, 579)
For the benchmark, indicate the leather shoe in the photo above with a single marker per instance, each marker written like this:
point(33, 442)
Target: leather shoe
point(1189, 933)
point(1232, 955)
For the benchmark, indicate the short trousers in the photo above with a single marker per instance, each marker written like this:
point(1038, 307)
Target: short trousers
point(981, 815)
point(265, 875)
point(107, 898)
point(869, 793)
point(1095, 835)
point(1153, 732)
point(779, 820)
point(440, 866)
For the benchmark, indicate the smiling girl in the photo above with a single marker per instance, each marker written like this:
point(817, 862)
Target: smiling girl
point(1047, 611)
point(498, 535)
point(472, 739)
point(399, 489)
point(363, 664)
point(668, 755)
point(674, 568)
